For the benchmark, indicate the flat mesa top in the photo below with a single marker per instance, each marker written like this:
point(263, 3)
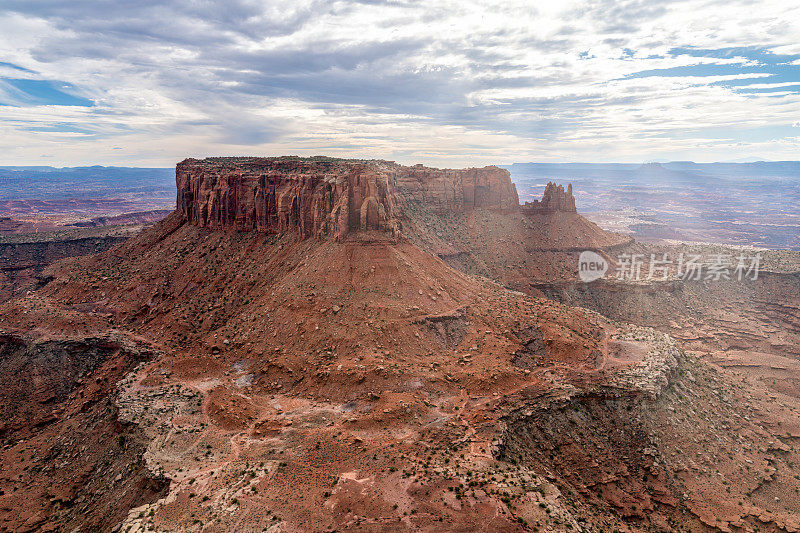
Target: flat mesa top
point(318, 160)
point(282, 159)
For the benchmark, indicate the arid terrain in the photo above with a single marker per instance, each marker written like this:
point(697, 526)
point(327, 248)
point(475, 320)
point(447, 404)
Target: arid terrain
point(41, 198)
point(725, 203)
point(355, 345)
point(24, 254)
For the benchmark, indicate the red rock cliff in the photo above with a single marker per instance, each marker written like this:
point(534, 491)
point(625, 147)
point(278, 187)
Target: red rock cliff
point(313, 197)
point(321, 196)
point(555, 198)
point(457, 190)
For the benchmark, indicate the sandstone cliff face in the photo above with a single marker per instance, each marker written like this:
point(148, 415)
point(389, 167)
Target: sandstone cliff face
point(554, 199)
point(312, 197)
point(327, 197)
point(458, 190)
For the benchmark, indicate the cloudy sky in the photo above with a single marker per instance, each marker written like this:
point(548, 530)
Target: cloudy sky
point(149, 82)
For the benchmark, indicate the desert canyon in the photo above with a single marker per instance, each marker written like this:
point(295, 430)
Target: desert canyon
point(321, 344)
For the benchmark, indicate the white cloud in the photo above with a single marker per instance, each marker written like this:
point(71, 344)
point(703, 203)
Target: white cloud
point(453, 83)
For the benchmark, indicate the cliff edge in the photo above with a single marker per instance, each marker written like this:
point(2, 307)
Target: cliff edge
point(325, 196)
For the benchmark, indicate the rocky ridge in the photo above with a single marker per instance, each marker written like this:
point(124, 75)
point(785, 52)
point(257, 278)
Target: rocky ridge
point(69, 461)
point(388, 362)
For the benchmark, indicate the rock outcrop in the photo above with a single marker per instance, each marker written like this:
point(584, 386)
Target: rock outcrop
point(85, 467)
point(314, 197)
point(23, 259)
point(199, 379)
point(327, 197)
point(554, 199)
point(446, 190)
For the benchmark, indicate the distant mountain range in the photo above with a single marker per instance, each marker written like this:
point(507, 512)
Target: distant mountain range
point(90, 169)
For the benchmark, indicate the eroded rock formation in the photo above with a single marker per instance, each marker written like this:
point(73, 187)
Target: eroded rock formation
point(23, 260)
point(313, 197)
point(554, 199)
point(458, 190)
point(327, 197)
point(318, 385)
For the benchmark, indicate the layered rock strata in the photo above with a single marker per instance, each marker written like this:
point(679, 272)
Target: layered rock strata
point(327, 197)
point(446, 190)
point(313, 198)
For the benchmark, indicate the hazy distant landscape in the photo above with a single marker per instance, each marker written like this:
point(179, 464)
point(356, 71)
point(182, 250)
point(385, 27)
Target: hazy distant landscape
point(728, 203)
point(74, 194)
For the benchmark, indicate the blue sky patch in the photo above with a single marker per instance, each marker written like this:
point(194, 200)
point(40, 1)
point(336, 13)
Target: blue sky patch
point(23, 93)
point(764, 66)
